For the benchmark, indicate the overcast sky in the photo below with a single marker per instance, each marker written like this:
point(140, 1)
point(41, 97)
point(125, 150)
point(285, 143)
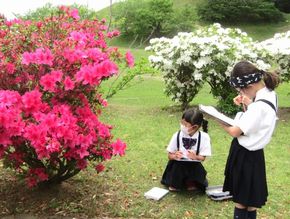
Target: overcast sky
point(8, 7)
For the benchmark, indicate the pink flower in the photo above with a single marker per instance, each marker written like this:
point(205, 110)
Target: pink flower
point(100, 167)
point(36, 134)
point(102, 101)
point(53, 146)
point(68, 83)
point(130, 59)
point(40, 56)
point(32, 101)
point(57, 75)
point(48, 82)
point(10, 68)
point(75, 14)
point(119, 147)
point(104, 131)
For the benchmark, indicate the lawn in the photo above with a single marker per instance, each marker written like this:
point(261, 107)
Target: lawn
point(145, 118)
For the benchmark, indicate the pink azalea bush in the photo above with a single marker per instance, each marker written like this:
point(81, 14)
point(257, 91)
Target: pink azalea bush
point(50, 105)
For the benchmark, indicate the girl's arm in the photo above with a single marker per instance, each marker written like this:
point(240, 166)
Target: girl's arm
point(233, 131)
point(192, 155)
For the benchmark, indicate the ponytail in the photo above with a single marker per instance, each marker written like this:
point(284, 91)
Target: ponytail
point(271, 80)
point(205, 125)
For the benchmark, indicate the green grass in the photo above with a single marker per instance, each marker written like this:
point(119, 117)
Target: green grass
point(264, 31)
point(145, 118)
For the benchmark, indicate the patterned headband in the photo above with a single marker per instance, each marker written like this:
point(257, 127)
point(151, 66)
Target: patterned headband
point(244, 81)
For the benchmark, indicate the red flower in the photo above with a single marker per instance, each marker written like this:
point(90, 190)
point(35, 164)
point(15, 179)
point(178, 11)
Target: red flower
point(100, 167)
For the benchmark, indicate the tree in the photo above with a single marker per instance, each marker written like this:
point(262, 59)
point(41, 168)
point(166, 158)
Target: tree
point(283, 5)
point(145, 19)
point(237, 11)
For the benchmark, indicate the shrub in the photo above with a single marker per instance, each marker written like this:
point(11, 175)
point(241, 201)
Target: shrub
point(278, 49)
point(237, 11)
point(188, 60)
point(50, 73)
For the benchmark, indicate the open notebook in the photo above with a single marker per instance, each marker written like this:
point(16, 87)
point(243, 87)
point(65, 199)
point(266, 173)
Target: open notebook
point(210, 110)
point(156, 193)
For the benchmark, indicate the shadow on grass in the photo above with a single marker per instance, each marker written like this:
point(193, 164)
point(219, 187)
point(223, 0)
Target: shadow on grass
point(74, 197)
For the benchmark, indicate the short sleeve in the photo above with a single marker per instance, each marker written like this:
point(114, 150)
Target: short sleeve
point(251, 119)
point(205, 145)
point(172, 146)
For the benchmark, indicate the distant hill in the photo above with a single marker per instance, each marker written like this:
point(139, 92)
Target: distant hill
point(105, 12)
point(256, 31)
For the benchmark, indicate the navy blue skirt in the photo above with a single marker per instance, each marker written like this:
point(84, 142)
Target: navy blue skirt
point(245, 176)
point(178, 173)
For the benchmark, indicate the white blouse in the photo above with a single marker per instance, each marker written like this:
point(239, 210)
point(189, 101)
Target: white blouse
point(258, 122)
point(205, 145)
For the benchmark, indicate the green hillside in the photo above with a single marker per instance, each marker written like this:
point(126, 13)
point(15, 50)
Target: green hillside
point(256, 31)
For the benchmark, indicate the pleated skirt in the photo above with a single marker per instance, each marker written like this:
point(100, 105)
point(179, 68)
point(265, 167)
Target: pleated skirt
point(178, 173)
point(245, 176)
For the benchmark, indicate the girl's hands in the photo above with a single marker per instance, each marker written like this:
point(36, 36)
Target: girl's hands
point(242, 99)
point(191, 155)
point(178, 155)
point(238, 100)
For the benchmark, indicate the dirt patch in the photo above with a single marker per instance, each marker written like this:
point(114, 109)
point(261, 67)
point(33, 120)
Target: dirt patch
point(79, 197)
point(284, 113)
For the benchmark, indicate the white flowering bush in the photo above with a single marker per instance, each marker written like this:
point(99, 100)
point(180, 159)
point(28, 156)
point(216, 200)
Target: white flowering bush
point(278, 49)
point(188, 60)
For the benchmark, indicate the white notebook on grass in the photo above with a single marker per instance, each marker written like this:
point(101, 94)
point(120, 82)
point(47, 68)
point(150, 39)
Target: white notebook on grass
point(156, 193)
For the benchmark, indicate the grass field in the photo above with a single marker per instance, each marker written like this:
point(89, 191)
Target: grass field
point(145, 119)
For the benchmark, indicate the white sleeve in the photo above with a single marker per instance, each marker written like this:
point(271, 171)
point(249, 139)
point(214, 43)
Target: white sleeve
point(205, 146)
point(238, 116)
point(172, 147)
point(251, 119)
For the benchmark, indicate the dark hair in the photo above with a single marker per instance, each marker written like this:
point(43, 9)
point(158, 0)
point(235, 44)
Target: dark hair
point(195, 117)
point(271, 79)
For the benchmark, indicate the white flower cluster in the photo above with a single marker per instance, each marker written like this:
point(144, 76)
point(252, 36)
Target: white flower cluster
point(206, 55)
point(278, 49)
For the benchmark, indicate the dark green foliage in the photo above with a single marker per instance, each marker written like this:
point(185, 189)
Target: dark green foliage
point(226, 104)
point(239, 11)
point(283, 5)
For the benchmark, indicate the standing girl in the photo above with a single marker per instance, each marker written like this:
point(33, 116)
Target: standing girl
point(245, 173)
point(186, 150)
